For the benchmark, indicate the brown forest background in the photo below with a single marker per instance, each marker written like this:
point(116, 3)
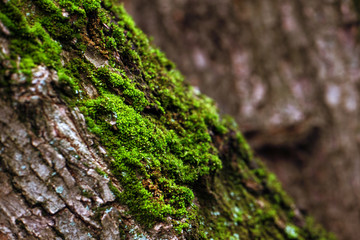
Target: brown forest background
point(289, 72)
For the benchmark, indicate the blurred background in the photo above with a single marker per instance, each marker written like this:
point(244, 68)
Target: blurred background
point(289, 72)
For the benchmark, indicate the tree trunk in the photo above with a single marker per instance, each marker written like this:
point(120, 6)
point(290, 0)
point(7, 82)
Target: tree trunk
point(289, 72)
point(101, 139)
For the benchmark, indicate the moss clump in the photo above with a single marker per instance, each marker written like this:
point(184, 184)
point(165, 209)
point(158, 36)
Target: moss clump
point(170, 151)
point(39, 46)
point(153, 162)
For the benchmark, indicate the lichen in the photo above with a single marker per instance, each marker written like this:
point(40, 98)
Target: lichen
point(172, 154)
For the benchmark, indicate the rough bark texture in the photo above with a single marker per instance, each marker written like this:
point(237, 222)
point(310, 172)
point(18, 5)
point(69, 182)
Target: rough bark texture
point(45, 184)
point(101, 139)
point(289, 72)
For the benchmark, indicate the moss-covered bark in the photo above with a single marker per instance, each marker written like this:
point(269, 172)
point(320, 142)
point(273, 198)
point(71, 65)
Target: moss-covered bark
point(176, 168)
point(288, 72)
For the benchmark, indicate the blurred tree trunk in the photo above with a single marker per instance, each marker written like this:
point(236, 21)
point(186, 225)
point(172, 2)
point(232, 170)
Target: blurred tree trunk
point(289, 72)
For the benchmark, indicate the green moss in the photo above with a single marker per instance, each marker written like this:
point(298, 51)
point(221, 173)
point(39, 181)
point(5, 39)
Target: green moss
point(86, 193)
point(101, 172)
point(91, 5)
point(33, 43)
point(291, 232)
point(156, 157)
point(66, 78)
point(315, 231)
point(150, 160)
point(26, 65)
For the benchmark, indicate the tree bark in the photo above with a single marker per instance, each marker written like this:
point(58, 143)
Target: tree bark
point(101, 139)
point(289, 72)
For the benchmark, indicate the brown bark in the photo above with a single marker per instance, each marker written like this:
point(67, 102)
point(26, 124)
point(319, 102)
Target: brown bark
point(289, 72)
point(49, 186)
